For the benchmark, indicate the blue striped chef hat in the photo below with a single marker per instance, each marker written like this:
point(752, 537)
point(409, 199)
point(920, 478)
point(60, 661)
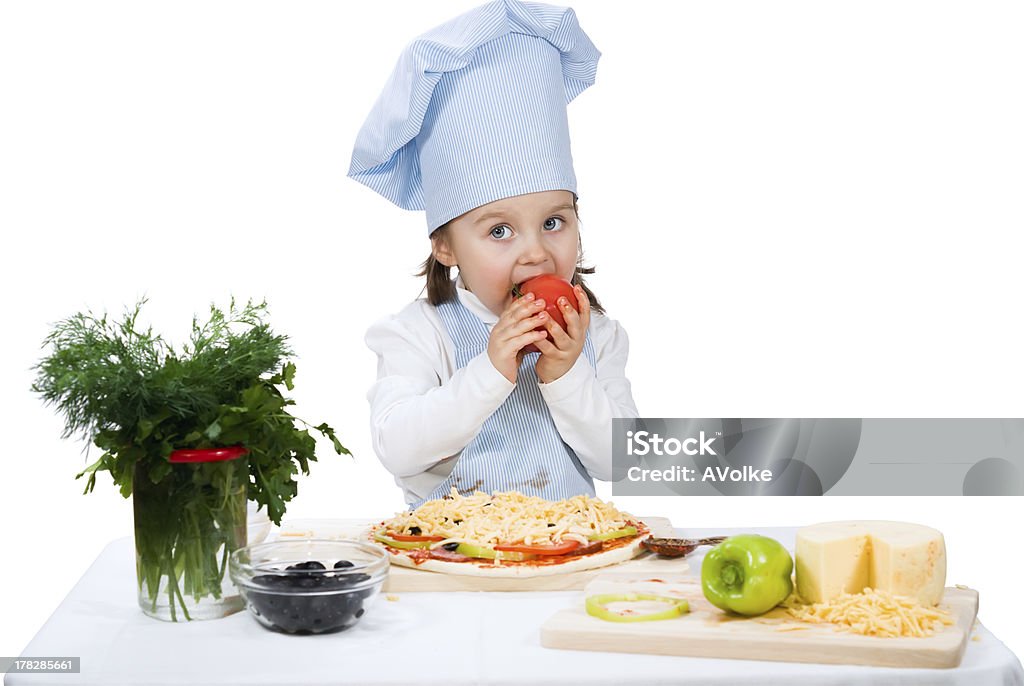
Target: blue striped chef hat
point(475, 111)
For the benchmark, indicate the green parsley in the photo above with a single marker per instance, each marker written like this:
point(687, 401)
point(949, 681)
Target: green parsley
point(138, 399)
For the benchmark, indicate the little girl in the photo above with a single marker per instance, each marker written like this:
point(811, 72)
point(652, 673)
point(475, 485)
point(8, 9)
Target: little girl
point(472, 128)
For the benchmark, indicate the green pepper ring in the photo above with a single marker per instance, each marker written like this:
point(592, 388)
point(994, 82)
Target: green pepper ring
point(401, 545)
point(596, 607)
point(618, 533)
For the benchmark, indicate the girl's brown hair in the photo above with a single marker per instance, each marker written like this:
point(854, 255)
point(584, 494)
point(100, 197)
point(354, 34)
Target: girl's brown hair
point(441, 288)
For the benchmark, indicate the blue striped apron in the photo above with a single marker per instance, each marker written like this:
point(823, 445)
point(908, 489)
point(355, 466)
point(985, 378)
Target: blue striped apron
point(518, 447)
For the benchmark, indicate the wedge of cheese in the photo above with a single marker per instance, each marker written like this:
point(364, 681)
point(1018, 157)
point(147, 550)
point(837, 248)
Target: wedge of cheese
point(847, 557)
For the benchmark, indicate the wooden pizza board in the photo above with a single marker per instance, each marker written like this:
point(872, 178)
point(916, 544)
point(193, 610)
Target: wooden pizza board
point(708, 632)
point(409, 580)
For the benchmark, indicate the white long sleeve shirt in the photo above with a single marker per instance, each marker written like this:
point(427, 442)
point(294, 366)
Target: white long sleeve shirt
point(424, 411)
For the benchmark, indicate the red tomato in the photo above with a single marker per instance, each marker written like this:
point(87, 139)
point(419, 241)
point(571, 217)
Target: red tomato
point(414, 539)
point(550, 549)
point(549, 288)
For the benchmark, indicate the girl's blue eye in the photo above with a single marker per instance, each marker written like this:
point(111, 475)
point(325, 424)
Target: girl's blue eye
point(551, 225)
point(501, 232)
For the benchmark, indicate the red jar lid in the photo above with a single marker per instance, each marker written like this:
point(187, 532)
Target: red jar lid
point(208, 454)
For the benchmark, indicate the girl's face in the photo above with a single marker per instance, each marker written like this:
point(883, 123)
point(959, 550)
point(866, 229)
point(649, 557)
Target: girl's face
point(508, 241)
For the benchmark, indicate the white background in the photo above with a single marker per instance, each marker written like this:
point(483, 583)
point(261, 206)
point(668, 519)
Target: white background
point(797, 209)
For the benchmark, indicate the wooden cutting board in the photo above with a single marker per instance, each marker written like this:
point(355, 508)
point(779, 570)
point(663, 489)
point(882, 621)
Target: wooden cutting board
point(409, 580)
point(708, 632)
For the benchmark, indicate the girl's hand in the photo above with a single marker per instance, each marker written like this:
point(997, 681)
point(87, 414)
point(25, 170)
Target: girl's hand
point(513, 331)
point(557, 358)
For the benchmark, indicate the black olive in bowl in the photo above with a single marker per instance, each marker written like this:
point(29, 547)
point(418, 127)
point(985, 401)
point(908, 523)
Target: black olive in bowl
point(309, 586)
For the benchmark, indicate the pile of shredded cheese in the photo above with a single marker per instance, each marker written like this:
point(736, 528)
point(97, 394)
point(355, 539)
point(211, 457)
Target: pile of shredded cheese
point(873, 613)
point(509, 517)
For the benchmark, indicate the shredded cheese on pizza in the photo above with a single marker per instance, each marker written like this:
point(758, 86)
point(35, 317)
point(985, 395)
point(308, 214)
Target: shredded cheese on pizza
point(873, 613)
point(509, 518)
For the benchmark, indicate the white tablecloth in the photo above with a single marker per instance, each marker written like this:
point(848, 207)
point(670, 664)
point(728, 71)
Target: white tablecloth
point(421, 638)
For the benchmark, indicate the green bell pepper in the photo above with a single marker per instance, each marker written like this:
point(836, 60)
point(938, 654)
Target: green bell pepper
point(747, 574)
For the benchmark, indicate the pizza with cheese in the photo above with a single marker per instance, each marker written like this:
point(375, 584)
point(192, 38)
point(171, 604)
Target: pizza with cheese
point(509, 534)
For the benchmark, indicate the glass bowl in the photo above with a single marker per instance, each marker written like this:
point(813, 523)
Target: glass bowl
point(257, 524)
point(309, 586)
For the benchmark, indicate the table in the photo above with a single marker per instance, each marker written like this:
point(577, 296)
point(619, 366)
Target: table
point(421, 638)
